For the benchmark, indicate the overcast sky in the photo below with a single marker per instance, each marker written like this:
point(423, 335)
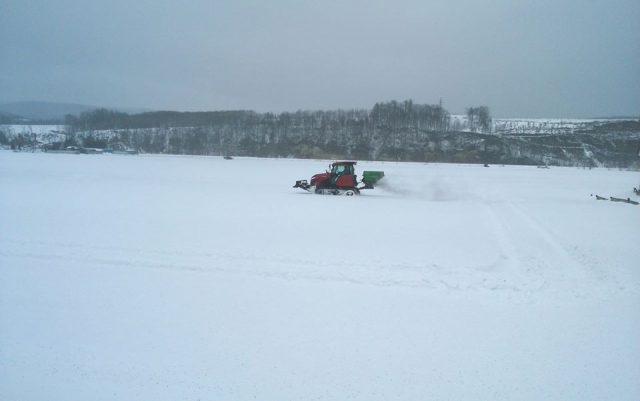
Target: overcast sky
point(522, 58)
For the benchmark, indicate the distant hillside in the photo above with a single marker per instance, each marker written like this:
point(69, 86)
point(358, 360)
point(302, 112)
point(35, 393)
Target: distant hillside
point(398, 131)
point(46, 112)
point(43, 111)
point(8, 118)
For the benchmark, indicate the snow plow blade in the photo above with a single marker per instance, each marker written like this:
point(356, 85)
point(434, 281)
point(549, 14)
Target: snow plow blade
point(302, 184)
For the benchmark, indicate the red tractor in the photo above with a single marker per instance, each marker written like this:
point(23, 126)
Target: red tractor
point(340, 180)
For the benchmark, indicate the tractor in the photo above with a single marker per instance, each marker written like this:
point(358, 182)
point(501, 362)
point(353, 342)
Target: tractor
point(340, 179)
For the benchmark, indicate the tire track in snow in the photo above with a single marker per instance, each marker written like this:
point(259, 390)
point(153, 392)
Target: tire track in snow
point(378, 273)
point(593, 280)
point(552, 242)
point(272, 269)
point(508, 258)
point(511, 271)
point(218, 262)
point(543, 258)
point(517, 269)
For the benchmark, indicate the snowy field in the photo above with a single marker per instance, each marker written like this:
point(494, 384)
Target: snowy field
point(198, 278)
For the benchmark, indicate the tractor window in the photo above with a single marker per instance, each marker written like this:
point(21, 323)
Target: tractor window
point(342, 169)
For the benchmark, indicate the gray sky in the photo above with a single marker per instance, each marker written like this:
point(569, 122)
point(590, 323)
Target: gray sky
point(522, 58)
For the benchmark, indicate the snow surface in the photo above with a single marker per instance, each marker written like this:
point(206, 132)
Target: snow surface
point(186, 278)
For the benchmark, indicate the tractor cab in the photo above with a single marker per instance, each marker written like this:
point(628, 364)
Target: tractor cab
point(342, 168)
point(342, 175)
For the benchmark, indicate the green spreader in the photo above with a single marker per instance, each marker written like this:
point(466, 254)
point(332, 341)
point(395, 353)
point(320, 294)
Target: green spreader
point(371, 177)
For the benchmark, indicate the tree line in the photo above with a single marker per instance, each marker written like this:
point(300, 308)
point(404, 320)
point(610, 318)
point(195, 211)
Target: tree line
point(400, 131)
point(386, 131)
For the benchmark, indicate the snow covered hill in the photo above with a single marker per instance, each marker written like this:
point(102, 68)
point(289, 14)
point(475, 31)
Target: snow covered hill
point(536, 126)
point(350, 135)
point(175, 277)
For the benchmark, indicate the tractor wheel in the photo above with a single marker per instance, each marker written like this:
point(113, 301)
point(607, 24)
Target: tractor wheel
point(350, 193)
